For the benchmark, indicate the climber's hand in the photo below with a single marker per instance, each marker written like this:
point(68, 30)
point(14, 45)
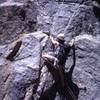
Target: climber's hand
point(55, 42)
point(71, 43)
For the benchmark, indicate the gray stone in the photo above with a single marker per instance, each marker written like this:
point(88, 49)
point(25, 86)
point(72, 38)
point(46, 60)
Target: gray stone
point(1, 1)
point(82, 22)
point(25, 68)
point(26, 78)
point(16, 18)
point(87, 68)
point(23, 71)
point(62, 17)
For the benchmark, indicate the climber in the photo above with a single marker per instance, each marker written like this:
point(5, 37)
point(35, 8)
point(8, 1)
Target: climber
point(61, 54)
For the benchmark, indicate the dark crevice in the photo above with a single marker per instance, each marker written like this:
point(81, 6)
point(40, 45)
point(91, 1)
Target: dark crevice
point(20, 12)
point(14, 51)
point(67, 2)
point(32, 25)
point(96, 9)
point(49, 94)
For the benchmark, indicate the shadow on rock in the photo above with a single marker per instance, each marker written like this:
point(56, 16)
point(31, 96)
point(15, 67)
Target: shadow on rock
point(70, 91)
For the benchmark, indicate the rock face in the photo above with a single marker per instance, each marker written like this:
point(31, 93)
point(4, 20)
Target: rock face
point(26, 77)
point(23, 73)
point(16, 18)
point(88, 61)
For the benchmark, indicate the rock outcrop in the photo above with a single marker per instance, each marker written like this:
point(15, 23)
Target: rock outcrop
point(17, 18)
point(25, 77)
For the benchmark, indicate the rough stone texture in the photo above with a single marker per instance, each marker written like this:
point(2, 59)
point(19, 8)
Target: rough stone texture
point(54, 17)
point(82, 22)
point(26, 78)
point(1, 1)
point(87, 68)
point(23, 73)
point(16, 18)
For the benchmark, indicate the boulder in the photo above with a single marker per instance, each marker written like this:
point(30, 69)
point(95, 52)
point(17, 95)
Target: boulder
point(26, 77)
point(23, 71)
point(87, 69)
point(16, 18)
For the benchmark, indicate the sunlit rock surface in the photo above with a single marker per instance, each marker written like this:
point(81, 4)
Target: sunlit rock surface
point(29, 21)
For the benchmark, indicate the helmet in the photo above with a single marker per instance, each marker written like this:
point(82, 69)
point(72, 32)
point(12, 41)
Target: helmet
point(60, 37)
